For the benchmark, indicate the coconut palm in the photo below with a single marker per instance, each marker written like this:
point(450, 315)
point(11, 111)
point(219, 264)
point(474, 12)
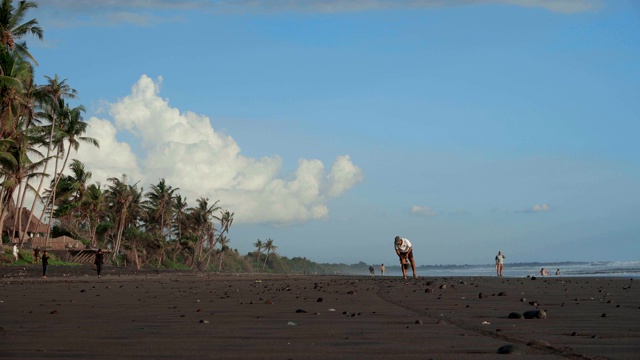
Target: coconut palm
point(120, 197)
point(258, 244)
point(13, 29)
point(201, 225)
point(159, 207)
point(94, 207)
point(179, 221)
point(268, 248)
point(223, 241)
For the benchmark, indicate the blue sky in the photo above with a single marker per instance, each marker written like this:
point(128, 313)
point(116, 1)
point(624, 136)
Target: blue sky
point(332, 126)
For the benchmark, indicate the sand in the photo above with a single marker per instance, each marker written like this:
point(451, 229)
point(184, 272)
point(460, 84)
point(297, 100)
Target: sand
point(128, 314)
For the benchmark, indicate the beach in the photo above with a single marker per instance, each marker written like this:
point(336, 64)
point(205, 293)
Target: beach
point(131, 314)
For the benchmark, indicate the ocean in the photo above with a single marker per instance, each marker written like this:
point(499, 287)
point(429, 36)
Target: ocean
point(584, 269)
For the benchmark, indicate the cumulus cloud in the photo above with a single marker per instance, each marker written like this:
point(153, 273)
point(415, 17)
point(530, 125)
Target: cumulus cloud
point(151, 12)
point(536, 209)
point(423, 211)
point(184, 149)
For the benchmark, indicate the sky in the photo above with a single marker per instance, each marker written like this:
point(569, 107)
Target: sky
point(467, 127)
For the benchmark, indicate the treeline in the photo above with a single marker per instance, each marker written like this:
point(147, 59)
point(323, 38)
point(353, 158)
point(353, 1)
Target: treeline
point(39, 128)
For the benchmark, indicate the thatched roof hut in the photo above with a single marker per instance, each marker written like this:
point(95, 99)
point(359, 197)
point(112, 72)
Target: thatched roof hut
point(35, 227)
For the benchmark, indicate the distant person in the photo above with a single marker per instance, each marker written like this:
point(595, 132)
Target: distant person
point(15, 251)
point(36, 255)
point(544, 272)
point(500, 263)
point(404, 249)
point(45, 263)
point(99, 261)
point(382, 269)
point(558, 272)
point(372, 271)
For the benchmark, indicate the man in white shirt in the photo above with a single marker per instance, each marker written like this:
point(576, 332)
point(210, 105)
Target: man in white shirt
point(405, 253)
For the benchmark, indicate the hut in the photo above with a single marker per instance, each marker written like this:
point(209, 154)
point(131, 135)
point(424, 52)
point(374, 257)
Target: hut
point(14, 228)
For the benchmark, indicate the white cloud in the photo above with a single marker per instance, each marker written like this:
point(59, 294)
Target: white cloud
point(185, 149)
point(336, 6)
point(422, 210)
point(65, 13)
point(536, 208)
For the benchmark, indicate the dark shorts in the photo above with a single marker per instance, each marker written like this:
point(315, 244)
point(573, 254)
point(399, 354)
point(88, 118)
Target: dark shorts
point(410, 256)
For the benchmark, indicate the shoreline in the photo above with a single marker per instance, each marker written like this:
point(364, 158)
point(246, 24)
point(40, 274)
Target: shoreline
point(192, 315)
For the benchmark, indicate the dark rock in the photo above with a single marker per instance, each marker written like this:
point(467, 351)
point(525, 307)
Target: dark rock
point(419, 322)
point(535, 314)
point(502, 293)
point(603, 315)
point(300, 311)
point(482, 296)
point(320, 300)
point(512, 349)
point(515, 315)
point(443, 286)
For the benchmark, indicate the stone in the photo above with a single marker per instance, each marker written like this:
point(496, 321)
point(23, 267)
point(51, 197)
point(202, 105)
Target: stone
point(515, 315)
point(535, 314)
point(512, 349)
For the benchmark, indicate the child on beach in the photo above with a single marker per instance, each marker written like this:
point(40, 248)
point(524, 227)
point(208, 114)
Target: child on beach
point(15, 251)
point(404, 250)
point(36, 254)
point(382, 269)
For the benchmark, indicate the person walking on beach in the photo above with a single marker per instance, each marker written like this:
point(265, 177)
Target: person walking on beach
point(500, 263)
point(558, 272)
point(544, 272)
point(45, 263)
point(15, 251)
point(36, 254)
point(372, 271)
point(99, 261)
point(404, 250)
point(382, 269)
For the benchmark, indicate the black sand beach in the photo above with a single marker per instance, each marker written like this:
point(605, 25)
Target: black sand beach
point(187, 315)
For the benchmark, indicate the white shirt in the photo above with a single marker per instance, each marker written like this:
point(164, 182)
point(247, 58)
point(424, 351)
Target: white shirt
point(15, 250)
point(405, 246)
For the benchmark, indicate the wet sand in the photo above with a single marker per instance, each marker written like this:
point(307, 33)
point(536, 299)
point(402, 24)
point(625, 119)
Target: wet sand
point(130, 314)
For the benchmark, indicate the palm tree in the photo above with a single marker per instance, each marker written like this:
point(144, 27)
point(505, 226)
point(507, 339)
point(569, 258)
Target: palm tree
point(201, 223)
point(268, 247)
point(179, 219)
point(258, 244)
point(71, 129)
point(51, 97)
point(159, 206)
point(223, 241)
point(12, 29)
point(121, 195)
point(93, 204)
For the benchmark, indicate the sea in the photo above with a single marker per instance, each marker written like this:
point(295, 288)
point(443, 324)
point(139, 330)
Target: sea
point(629, 269)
